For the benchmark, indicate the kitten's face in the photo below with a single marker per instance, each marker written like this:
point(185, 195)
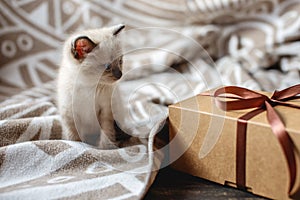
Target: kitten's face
point(97, 52)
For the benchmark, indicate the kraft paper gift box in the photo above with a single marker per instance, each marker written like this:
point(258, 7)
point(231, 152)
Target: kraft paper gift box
point(205, 141)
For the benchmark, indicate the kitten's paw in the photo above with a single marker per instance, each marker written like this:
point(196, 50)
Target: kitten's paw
point(70, 135)
point(106, 143)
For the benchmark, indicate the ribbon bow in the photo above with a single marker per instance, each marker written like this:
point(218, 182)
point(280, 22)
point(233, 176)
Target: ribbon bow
point(245, 99)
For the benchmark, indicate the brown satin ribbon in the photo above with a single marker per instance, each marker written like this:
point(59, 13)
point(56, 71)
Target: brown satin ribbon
point(245, 99)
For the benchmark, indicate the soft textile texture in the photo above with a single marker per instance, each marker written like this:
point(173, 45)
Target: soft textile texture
point(253, 44)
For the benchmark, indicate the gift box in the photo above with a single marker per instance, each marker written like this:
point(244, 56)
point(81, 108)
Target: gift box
point(241, 138)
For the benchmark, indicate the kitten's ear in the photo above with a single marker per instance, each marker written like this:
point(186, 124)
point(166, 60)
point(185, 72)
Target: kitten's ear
point(81, 46)
point(117, 29)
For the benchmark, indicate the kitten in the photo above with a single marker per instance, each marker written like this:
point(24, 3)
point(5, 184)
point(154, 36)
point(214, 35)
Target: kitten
point(91, 65)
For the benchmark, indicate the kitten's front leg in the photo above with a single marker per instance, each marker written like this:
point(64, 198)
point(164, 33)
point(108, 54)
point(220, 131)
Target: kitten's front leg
point(69, 130)
point(107, 138)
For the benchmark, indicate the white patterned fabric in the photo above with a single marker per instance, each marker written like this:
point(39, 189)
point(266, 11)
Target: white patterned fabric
point(172, 50)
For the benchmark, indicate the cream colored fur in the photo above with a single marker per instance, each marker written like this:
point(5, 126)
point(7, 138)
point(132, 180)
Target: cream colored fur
point(85, 89)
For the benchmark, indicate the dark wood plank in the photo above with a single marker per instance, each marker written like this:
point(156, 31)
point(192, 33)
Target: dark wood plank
point(171, 184)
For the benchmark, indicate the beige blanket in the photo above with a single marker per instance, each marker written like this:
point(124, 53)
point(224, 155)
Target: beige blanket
point(173, 50)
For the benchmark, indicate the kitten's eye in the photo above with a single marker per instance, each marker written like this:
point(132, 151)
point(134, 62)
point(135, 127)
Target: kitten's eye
point(107, 67)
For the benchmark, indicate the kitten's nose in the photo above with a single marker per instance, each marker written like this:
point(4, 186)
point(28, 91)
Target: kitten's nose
point(116, 72)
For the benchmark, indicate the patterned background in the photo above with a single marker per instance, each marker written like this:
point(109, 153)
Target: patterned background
point(252, 43)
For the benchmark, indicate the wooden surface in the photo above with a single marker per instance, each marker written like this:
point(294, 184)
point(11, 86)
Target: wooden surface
point(171, 184)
